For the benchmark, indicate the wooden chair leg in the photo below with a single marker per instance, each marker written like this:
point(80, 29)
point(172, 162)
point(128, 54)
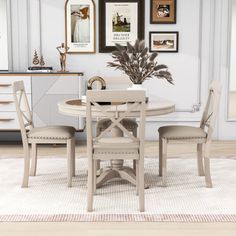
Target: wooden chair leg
point(141, 186)
point(160, 155)
point(25, 181)
point(69, 161)
point(164, 160)
point(90, 185)
point(137, 177)
point(135, 133)
point(98, 165)
point(135, 166)
point(95, 163)
point(200, 160)
point(33, 167)
point(73, 156)
point(207, 166)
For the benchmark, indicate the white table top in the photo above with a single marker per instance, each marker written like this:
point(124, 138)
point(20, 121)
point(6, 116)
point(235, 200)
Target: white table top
point(154, 108)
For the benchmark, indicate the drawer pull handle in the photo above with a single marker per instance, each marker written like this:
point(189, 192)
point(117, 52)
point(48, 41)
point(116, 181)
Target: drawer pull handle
point(5, 85)
point(6, 119)
point(6, 102)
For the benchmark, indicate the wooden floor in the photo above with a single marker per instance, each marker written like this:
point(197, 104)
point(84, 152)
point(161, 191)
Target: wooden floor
point(117, 229)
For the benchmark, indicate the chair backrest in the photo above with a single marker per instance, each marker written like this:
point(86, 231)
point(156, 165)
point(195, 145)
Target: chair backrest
point(129, 101)
point(211, 109)
point(22, 108)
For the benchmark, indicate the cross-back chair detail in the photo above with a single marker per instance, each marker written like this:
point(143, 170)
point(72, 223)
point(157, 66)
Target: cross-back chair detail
point(107, 147)
point(211, 109)
point(22, 107)
point(116, 121)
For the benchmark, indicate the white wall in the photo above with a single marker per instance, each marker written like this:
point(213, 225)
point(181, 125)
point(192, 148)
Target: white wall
point(233, 49)
point(3, 36)
point(200, 59)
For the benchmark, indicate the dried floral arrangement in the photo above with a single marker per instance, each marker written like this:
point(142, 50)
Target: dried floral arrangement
point(138, 64)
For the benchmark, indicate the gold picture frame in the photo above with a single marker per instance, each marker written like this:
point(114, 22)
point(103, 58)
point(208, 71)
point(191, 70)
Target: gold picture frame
point(80, 31)
point(163, 11)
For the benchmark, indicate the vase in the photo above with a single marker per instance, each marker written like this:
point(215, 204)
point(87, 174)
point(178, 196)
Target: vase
point(137, 87)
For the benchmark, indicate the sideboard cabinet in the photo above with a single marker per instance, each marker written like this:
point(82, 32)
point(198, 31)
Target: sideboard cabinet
point(44, 91)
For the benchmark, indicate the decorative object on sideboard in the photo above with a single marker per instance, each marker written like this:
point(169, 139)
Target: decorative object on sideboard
point(138, 64)
point(80, 26)
point(36, 58)
point(42, 62)
point(163, 11)
point(39, 64)
point(62, 51)
point(164, 41)
point(120, 22)
point(96, 79)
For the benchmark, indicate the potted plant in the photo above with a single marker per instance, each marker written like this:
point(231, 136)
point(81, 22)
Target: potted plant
point(138, 64)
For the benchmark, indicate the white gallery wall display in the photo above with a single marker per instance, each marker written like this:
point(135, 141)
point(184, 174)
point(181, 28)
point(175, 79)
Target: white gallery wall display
point(3, 36)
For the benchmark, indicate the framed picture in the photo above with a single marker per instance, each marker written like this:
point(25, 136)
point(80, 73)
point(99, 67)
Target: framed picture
point(3, 37)
point(80, 26)
point(163, 41)
point(163, 12)
point(120, 21)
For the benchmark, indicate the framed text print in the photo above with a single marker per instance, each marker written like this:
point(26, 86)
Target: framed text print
point(120, 22)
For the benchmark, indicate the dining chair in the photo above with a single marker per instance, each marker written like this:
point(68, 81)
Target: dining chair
point(107, 147)
point(40, 135)
point(202, 136)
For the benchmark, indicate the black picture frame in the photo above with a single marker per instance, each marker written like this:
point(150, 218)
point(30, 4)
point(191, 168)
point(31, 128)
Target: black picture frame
point(103, 48)
point(172, 19)
point(175, 48)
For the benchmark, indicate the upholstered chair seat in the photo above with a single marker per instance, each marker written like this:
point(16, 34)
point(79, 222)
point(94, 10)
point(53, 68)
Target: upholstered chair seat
point(183, 133)
point(52, 132)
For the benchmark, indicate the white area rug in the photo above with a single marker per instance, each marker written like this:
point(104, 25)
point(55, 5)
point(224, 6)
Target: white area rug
point(186, 199)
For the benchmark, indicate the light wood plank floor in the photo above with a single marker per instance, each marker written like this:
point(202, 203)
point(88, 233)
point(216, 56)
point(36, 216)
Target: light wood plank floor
point(219, 148)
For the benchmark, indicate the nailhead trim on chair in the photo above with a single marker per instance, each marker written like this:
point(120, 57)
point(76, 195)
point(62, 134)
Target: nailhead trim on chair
point(49, 137)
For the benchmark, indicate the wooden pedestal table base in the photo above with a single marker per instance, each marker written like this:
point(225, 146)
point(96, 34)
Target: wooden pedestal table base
point(154, 108)
point(116, 170)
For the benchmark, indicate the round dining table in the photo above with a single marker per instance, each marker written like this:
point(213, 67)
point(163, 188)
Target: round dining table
point(154, 108)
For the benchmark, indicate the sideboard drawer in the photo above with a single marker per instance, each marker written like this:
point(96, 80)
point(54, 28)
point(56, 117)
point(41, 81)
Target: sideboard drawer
point(7, 102)
point(6, 83)
point(8, 121)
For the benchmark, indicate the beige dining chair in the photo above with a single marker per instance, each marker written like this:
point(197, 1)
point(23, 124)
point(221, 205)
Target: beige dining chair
point(202, 136)
point(40, 135)
point(107, 147)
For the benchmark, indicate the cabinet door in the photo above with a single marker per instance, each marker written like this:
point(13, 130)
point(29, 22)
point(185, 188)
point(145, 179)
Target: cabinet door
point(47, 91)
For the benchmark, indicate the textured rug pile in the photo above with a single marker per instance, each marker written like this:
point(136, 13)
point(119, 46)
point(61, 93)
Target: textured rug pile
point(185, 199)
